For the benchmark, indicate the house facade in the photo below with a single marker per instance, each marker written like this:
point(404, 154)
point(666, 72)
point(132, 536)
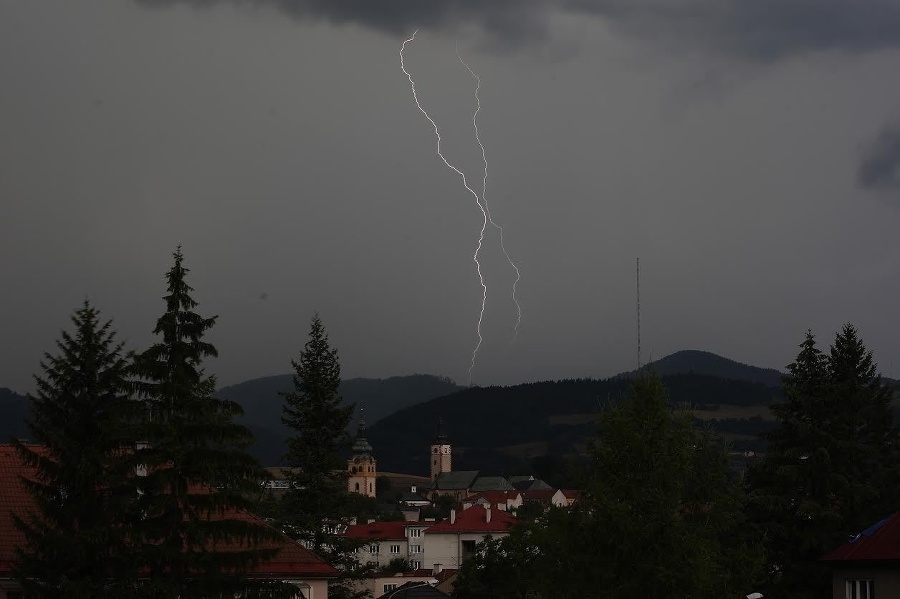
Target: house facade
point(429, 544)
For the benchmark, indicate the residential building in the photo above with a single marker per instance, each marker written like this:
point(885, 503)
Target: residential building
point(361, 466)
point(868, 565)
point(507, 501)
point(414, 590)
point(546, 497)
point(453, 541)
point(385, 541)
point(439, 578)
point(293, 563)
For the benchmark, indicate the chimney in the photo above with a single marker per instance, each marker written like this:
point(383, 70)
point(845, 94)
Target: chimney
point(487, 513)
point(452, 516)
point(436, 569)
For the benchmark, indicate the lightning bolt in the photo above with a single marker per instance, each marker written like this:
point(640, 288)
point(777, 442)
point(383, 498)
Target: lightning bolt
point(487, 210)
point(478, 202)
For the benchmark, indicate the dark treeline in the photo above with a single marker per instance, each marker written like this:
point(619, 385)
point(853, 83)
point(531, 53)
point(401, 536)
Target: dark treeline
point(663, 514)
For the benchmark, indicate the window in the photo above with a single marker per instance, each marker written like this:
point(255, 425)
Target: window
point(390, 587)
point(373, 549)
point(415, 533)
point(415, 549)
point(860, 589)
point(395, 548)
point(415, 564)
point(468, 549)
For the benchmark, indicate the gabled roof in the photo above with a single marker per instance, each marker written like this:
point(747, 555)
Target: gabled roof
point(879, 542)
point(538, 495)
point(491, 483)
point(291, 559)
point(455, 481)
point(388, 531)
point(494, 497)
point(475, 519)
point(415, 590)
point(530, 484)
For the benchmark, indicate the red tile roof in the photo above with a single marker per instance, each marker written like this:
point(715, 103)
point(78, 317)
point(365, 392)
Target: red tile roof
point(879, 542)
point(392, 531)
point(474, 519)
point(291, 559)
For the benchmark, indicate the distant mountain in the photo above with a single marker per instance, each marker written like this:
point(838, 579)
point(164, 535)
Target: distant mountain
point(498, 429)
point(378, 397)
point(14, 410)
point(703, 362)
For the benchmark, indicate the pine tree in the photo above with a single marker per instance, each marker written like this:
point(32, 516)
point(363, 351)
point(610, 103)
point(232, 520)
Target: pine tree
point(866, 437)
point(198, 475)
point(318, 496)
point(77, 543)
point(795, 489)
point(829, 469)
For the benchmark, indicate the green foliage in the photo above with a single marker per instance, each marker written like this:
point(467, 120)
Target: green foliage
point(831, 466)
point(661, 517)
point(508, 568)
point(318, 494)
point(199, 476)
point(77, 545)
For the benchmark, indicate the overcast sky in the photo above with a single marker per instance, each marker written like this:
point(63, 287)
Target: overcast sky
point(746, 150)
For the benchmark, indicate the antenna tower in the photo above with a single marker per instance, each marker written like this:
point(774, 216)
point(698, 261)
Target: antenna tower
point(639, 313)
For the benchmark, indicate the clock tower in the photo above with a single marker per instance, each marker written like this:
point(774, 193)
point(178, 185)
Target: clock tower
point(441, 458)
point(362, 468)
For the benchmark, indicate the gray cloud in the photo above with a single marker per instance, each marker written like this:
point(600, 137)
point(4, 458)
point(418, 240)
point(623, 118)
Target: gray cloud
point(760, 30)
point(763, 30)
point(880, 166)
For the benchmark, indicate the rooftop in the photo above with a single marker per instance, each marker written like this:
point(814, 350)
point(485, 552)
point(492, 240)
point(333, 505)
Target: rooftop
point(475, 519)
point(879, 542)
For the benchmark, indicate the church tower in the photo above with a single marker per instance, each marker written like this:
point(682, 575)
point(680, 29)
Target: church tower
point(440, 452)
point(361, 467)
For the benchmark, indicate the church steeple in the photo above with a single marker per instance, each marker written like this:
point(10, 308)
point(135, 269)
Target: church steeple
point(362, 466)
point(441, 452)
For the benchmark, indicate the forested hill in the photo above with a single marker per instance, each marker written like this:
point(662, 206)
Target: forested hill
point(14, 410)
point(379, 397)
point(704, 362)
point(501, 428)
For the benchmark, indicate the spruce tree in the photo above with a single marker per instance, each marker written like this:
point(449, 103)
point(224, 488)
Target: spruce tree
point(830, 465)
point(865, 434)
point(198, 474)
point(795, 487)
point(76, 541)
point(317, 498)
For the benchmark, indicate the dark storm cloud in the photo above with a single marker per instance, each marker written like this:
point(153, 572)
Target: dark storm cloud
point(763, 30)
point(880, 167)
point(509, 20)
